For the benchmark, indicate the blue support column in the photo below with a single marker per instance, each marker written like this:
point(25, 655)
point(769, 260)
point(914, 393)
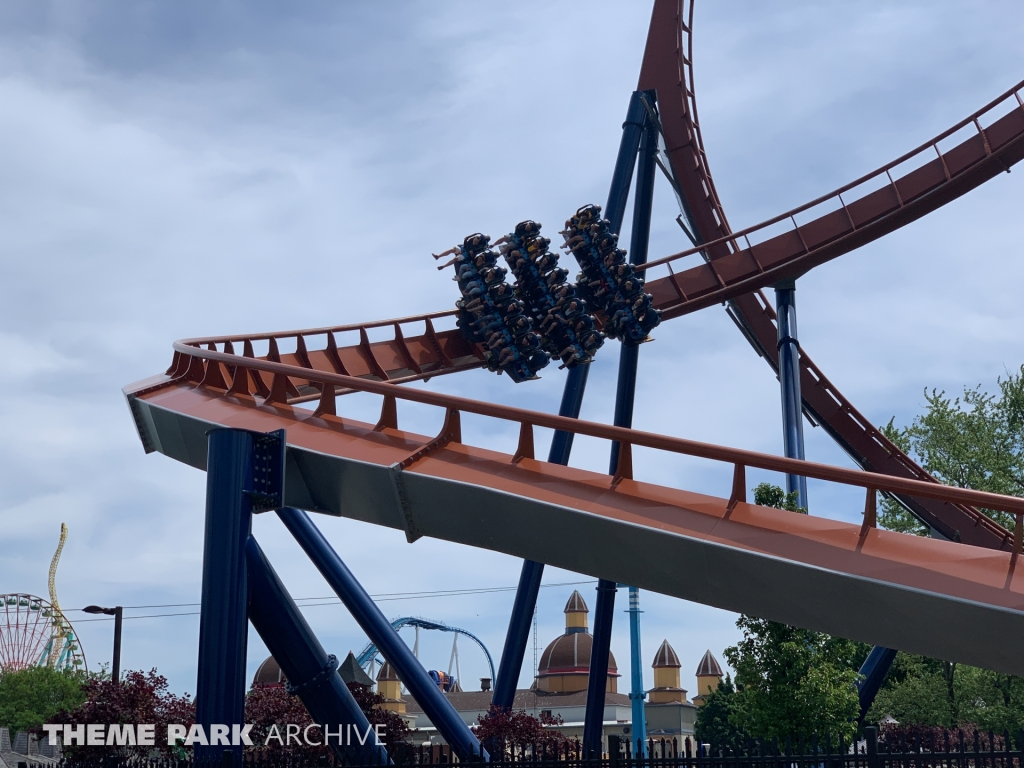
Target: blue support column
point(312, 674)
point(636, 676)
point(518, 635)
point(366, 613)
point(873, 672)
point(789, 383)
point(624, 396)
point(593, 725)
point(223, 629)
point(511, 664)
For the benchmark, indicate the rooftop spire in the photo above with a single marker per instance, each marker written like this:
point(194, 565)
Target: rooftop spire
point(575, 614)
point(666, 657)
point(709, 666)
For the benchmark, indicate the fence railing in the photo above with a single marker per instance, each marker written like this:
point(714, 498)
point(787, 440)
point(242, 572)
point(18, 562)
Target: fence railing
point(893, 748)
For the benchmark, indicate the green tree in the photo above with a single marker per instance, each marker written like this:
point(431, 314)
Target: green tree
point(33, 696)
point(790, 682)
point(917, 692)
point(972, 441)
point(768, 495)
point(929, 692)
point(717, 717)
point(991, 700)
point(794, 682)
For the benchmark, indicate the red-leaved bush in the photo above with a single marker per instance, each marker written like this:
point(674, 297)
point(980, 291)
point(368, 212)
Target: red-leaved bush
point(514, 732)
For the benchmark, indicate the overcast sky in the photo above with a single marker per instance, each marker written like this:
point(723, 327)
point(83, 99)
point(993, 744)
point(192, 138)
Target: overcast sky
point(181, 169)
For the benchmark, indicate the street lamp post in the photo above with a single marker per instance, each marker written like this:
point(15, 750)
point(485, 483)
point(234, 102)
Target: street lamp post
point(115, 674)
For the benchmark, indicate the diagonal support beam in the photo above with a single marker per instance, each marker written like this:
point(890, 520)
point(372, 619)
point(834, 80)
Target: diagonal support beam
point(440, 711)
point(312, 674)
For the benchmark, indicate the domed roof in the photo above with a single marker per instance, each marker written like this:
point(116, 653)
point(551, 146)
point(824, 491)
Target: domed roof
point(709, 666)
point(568, 654)
point(666, 657)
point(269, 674)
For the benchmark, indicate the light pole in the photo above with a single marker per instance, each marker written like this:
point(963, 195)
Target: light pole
point(115, 674)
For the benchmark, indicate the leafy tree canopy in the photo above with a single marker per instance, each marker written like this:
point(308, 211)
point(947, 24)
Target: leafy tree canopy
point(510, 732)
point(768, 495)
point(793, 682)
point(138, 697)
point(972, 441)
point(717, 718)
point(33, 696)
point(926, 692)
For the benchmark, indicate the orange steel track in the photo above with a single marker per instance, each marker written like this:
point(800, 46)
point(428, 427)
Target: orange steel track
point(877, 586)
point(880, 587)
point(899, 192)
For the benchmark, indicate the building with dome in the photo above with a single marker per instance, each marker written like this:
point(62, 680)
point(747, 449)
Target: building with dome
point(560, 688)
point(709, 676)
point(564, 666)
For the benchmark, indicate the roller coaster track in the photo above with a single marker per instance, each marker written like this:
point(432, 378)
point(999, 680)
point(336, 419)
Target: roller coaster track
point(371, 652)
point(737, 265)
point(809, 571)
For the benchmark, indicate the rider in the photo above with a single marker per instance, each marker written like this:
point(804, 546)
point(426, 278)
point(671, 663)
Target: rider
point(525, 229)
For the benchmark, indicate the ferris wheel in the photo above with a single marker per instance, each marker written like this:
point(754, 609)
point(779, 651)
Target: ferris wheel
point(34, 633)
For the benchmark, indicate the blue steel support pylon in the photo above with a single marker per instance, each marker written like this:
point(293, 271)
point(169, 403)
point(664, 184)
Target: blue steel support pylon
point(223, 626)
point(312, 674)
point(636, 677)
point(873, 671)
point(625, 392)
point(789, 383)
point(366, 613)
point(511, 664)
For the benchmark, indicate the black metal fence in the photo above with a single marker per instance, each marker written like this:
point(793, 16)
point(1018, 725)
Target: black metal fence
point(894, 748)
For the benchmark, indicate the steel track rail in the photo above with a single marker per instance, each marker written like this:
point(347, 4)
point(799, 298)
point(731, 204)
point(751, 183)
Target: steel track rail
point(205, 366)
point(812, 572)
point(668, 69)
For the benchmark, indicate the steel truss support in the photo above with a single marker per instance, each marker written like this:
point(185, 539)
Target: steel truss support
point(422, 688)
point(518, 635)
point(223, 628)
point(312, 674)
point(789, 383)
point(625, 391)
